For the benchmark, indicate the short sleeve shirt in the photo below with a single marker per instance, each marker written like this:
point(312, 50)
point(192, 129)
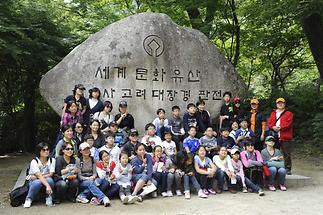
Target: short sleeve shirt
point(37, 166)
point(206, 163)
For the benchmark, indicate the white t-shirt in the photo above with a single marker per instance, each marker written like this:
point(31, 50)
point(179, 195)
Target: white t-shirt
point(37, 166)
point(99, 116)
point(170, 147)
point(223, 164)
point(114, 152)
point(93, 102)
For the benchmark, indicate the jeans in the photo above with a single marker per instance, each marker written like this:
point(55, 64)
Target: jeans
point(66, 189)
point(193, 180)
point(137, 177)
point(205, 182)
point(109, 189)
point(89, 187)
point(248, 183)
point(279, 173)
point(124, 191)
point(36, 185)
point(161, 178)
point(170, 180)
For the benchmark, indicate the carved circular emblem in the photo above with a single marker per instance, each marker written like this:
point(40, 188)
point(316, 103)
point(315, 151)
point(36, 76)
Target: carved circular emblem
point(153, 45)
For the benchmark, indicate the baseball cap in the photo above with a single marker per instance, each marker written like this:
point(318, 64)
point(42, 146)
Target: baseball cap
point(236, 100)
point(84, 146)
point(133, 131)
point(280, 100)
point(113, 123)
point(234, 151)
point(269, 138)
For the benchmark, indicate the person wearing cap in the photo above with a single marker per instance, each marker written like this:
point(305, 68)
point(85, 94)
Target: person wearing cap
point(124, 119)
point(93, 104)
point(238, 171)
point(252, 162)
point(86, 168)
point(228, 111)
point(105, 117)
point(240, 112)
point(78, 97)
point(274, 159)
point(280, 123)
point(257, 123)
point(129, 147)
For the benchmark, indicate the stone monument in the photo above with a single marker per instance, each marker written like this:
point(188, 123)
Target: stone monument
point(149, 61)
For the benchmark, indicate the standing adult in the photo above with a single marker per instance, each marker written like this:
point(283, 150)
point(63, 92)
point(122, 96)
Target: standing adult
point(281, 124)
point(257, 123)
point(78, 97)
point(93, 104)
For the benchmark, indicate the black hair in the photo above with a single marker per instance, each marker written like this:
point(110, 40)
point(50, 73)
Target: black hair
point(88, 136)
point(190, 105)
point(201, 146)
point(101, 154)
point(99, 130)
point(69, 104)
point(138, 145)
point(149, 125)
point(175, 107)
point(65, 144)
point(201, 101)
point(94, 89)
point(167, 132)
point(123, 153)
point(224, 129)
point(39, 147)
point(157, 147)
point(65, 128)
point(227, 93)
point(160, 110)
point(74, 125)
point(109, 134)
point(189, 128)
point(108, 104)
point(248, 142)
point(207, 127)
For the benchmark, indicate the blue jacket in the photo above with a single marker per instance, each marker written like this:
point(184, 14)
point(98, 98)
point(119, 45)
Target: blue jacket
point(138, 168)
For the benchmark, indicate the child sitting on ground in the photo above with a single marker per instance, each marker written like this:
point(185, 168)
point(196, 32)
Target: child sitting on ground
point(111, 148)
point(151, 139)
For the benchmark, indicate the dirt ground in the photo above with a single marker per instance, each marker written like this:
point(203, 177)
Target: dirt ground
point(297, 200)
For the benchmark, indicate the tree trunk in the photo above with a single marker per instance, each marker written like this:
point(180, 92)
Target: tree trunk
point(313, 29)
point(28, 126)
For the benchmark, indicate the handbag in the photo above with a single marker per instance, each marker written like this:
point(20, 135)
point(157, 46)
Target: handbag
point(266, 170)
point(277, 164)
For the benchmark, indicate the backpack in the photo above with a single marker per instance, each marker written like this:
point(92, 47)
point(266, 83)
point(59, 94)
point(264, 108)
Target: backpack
point(18, 195)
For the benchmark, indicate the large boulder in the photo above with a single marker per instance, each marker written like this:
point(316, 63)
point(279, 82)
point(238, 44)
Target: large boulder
point(149, 61)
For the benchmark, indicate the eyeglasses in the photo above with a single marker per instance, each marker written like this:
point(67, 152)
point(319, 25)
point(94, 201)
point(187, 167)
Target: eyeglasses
point(69, 149)
point(45, 150)
point(78, 127)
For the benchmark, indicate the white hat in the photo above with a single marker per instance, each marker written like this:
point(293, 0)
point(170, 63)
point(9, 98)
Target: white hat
point(234, 150)
point(84, 146)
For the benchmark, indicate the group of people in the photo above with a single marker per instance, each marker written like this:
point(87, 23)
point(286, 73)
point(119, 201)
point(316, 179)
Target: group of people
point(99, 156)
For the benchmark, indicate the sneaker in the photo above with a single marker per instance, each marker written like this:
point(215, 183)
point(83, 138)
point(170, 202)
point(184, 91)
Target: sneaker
point(233, 191)
point(187, 194)
point(154, 194)
point(205, 192)
point(27, 203)
point(124, 199)
point(282, 187)
point(244, 190)
point(271, 188)
point(201, 194)
point(49, 201)
point(289, 172)
point(178, 193)
point(211, 191)
point(260, 192)
point(140, 199)
point(164, 194)
point(94, 201)
point(169, 193)
point(106, 201)
point(132, 199)
point(81, 199)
